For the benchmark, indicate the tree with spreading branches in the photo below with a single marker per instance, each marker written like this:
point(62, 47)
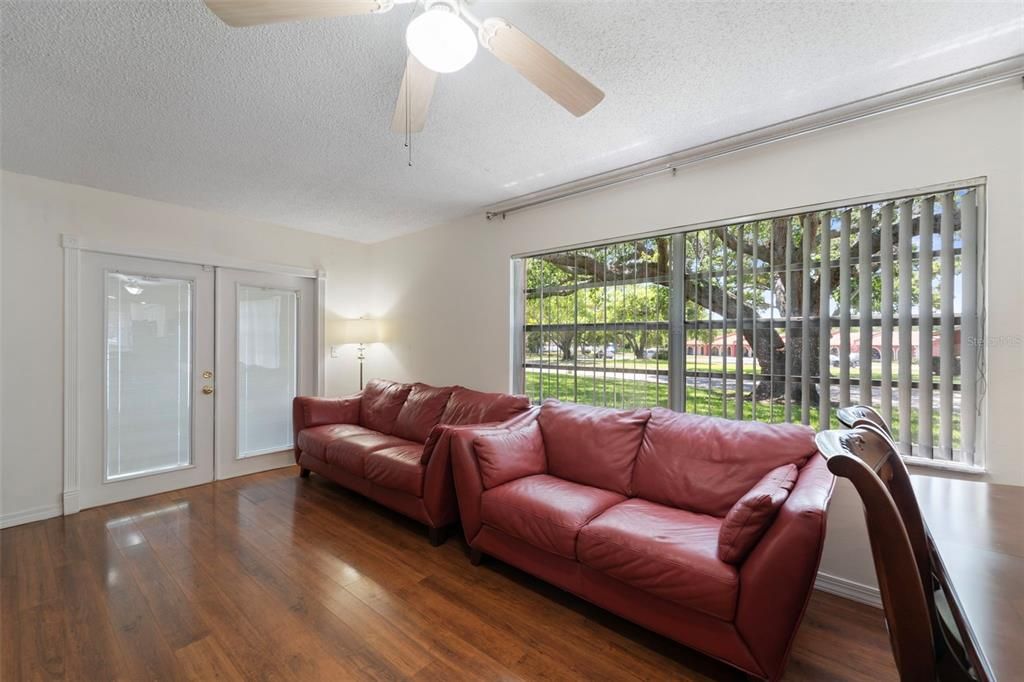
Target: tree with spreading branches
point(611, 287)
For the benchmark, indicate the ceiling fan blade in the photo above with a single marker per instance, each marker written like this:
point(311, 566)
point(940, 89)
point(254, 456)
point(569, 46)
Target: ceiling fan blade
point(539, 66)
point(255, 12)
point(416, 91)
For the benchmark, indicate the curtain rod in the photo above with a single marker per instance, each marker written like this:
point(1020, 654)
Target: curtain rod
point(937, 88)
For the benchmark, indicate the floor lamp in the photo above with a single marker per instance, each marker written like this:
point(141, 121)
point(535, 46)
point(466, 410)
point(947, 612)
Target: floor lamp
point(362, 332)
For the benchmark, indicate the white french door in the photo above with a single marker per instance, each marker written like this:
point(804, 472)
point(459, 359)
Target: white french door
point(145, 340)
point(265, 357)
point(186, 373)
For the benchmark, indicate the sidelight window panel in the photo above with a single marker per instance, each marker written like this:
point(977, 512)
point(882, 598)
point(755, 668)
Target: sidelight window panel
point(780, 318)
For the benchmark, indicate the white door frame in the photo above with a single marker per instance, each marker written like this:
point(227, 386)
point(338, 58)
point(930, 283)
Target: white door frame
point(73, 247)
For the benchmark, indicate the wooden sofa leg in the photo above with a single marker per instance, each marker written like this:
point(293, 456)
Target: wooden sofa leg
point(476, 557)
point(437, 536)
point(303, 472)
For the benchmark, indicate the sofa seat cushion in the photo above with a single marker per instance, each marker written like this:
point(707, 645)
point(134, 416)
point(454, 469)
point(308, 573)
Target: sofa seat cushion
point(545, 511)
point(398, 468)
point(314, 440)
point(349, 453)
point(670, 553)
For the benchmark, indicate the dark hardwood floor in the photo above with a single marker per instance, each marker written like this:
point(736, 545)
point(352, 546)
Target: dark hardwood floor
point(275, 577)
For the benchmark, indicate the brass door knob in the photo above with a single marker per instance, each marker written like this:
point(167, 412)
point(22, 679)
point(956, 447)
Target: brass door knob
point(207, 374)
point(207, 390)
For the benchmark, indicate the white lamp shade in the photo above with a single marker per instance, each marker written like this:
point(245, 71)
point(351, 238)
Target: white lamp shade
point(362, 330)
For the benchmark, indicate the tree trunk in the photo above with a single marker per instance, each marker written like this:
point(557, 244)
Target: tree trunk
point(565, 344)
point(769, 343)
point(637, 345)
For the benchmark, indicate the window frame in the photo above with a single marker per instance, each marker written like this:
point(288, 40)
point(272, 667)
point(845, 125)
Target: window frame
point(676, 349)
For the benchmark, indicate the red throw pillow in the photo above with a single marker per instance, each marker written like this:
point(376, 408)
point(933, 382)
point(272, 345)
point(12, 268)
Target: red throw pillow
point(750, 517)
point(510, 454)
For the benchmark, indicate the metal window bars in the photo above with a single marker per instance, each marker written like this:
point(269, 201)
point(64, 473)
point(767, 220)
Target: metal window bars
point(875, 302)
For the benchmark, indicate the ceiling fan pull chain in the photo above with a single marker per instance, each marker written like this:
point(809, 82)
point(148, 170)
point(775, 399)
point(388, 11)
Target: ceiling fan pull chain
point(408, 116)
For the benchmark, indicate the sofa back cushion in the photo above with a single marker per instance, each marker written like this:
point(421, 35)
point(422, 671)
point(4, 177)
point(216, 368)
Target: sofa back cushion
point(505, 455)
point(595, 446)
point(421, 412)
point(466, 406)
point(381, 403)
point(705, 464)
point(750, 517)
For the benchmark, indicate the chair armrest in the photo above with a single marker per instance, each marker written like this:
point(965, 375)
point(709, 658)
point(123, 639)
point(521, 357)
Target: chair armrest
point(777, 578)
point(310, 411)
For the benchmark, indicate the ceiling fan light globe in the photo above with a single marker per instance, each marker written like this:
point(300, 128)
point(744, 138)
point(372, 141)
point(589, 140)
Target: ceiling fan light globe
point(440, 40)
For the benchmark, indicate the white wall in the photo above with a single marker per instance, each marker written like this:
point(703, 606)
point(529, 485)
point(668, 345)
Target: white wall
point(446, 289)
point(35, 212)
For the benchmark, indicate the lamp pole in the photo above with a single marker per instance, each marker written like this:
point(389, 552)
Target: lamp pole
point(361, 356)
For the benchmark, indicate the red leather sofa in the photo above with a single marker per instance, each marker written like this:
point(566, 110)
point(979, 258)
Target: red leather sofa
point(705, 530)
point(390, 443)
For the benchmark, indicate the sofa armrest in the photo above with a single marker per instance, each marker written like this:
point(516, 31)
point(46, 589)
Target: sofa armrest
point(438, 489)
point(439, 437)
point(777, 578)
point(310, 411)
point(469, 487)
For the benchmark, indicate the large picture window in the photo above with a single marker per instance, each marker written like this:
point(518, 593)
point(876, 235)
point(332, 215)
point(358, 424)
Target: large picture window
point(778, 318)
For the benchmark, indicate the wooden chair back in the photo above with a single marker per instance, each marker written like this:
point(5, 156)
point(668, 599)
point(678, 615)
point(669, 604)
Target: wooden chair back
point(865, 455)
point(854, 415)
point(897, 480)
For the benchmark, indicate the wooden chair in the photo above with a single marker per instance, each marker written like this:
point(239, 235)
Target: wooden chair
point(926, 644)
point(853, 415)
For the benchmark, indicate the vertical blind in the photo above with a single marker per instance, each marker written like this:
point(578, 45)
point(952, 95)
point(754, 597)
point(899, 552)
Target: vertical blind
point(783, 318)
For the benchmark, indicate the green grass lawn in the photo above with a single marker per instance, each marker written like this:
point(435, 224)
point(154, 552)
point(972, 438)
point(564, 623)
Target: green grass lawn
point(629, 393)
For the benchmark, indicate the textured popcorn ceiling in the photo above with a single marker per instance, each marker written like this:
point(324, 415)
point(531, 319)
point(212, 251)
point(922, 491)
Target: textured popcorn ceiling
point(289, 123)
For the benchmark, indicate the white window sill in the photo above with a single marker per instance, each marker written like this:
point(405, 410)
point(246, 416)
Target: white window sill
point(944, 465)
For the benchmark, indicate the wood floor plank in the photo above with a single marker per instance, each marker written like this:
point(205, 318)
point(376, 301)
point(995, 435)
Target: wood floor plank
point(374, 633)
point(258, 593)
point(38, 651)
point(205, 659)
point(178, 621)
point(90, 645)
point(272, 577)
point(454, 654)
point(135, 629)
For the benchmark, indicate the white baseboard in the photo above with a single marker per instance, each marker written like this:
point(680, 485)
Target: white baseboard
point(72, 503)
point(29, 515)
point(849, 589)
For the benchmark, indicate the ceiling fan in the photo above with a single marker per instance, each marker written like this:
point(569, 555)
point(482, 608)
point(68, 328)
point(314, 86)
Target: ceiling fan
point(440, 40)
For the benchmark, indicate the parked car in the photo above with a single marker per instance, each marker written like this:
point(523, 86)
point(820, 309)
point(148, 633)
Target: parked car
point(606, 352)
point(833, 359)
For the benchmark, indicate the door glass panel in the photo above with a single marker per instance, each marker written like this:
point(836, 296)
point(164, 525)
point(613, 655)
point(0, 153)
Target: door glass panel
point(267, 369)
point(148, 374)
